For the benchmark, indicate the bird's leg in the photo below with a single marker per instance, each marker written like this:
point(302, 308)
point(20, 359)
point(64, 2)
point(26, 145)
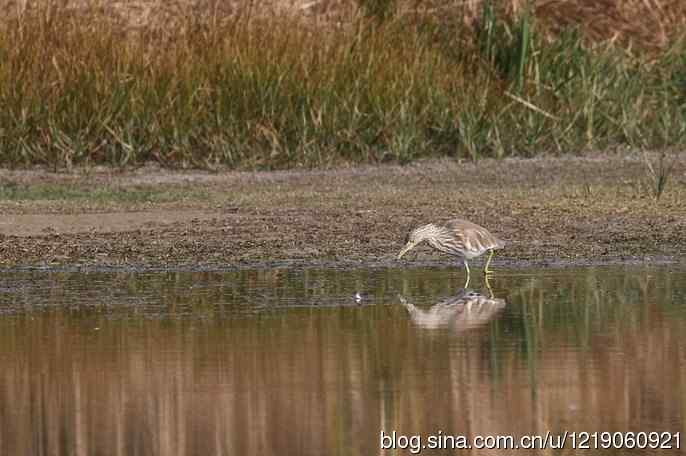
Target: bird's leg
point(488, 262)
point(466, 266)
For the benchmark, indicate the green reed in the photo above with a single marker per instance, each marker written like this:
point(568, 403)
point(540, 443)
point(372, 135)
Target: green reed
point(274, 93)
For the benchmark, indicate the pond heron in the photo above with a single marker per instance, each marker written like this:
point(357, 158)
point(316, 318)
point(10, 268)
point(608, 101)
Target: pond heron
point(456, 237)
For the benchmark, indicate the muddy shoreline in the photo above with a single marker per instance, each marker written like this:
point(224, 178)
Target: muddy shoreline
point(574, 211)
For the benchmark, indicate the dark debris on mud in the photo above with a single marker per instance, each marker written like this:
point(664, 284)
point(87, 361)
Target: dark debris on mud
point(550, 212)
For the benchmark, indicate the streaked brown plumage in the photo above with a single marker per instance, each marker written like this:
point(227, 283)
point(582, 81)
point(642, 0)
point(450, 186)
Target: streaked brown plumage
point(456, 237)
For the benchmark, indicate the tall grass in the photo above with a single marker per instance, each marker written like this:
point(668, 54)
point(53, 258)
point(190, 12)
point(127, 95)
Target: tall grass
point(275, 92)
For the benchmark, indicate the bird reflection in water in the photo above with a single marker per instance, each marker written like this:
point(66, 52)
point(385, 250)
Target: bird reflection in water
point(467, 310)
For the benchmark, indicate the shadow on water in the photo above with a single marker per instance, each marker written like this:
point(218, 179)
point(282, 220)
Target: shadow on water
point(289, 362)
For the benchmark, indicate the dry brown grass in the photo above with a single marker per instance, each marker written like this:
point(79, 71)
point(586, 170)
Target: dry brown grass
point(651, 24)
point(644, 23)
point(290, 84)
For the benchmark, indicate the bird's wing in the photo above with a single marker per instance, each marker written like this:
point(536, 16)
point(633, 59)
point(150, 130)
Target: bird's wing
point(473, 234)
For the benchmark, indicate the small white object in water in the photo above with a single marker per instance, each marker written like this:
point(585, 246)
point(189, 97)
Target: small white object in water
point(358, 297)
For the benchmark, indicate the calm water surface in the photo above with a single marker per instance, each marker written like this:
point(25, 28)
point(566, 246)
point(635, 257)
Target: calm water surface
point(282, 362)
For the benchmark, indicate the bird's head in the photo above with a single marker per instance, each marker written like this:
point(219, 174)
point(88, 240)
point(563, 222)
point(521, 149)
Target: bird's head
point(415, 237)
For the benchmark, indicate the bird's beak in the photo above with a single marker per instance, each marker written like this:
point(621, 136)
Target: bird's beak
point(405, 249)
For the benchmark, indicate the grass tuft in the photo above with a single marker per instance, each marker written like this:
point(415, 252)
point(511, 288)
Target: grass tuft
point(659, 172)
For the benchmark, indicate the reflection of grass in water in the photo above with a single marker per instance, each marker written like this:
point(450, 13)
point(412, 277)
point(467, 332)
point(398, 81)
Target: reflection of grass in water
point(581, 305)
point(15, 192)
point(575, 304)
point(336, 372)
point(530, 346)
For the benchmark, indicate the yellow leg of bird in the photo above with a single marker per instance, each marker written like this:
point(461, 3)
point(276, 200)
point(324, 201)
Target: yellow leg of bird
point(488, 262)
point(466, 266)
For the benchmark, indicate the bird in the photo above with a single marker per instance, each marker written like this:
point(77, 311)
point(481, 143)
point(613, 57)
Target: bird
point(456, 237)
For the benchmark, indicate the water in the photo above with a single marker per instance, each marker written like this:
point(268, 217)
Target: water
point(279, 362)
